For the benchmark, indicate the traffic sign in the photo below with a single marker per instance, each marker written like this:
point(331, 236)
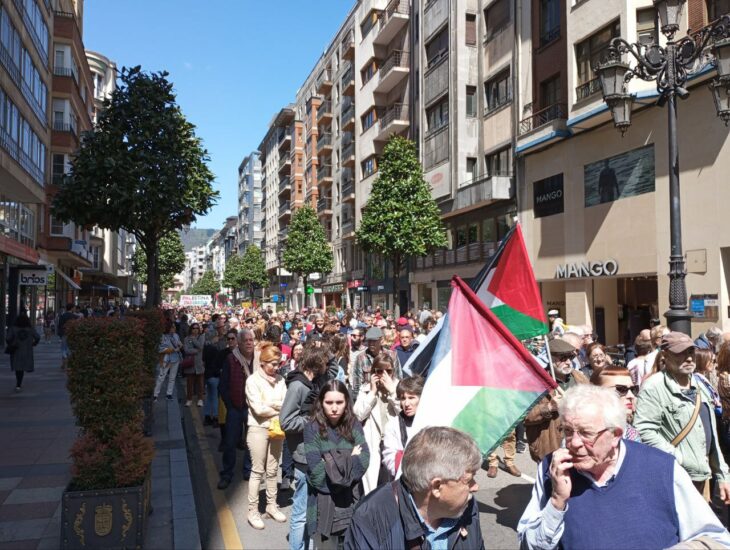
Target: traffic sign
point(310, 289)
point(275, 298)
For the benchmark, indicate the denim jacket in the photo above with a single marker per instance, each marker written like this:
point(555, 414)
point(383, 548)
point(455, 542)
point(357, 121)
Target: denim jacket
point(171, 341)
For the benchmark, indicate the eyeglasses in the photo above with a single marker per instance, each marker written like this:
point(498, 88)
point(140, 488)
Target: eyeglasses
point(559, 358)
point(622, 390)
point(231, 338)
point(588, 438)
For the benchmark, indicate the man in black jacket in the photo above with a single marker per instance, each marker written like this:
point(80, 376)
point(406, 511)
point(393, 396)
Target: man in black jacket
point(431, 505)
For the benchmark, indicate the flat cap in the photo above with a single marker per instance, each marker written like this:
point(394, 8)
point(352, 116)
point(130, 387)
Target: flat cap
point(677, 342)
point(558, 345)
point(373, 333)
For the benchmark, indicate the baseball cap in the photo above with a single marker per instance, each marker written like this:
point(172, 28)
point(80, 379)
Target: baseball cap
point(677, 342)
point(553, 313)
point(402, 321)
point(558, 346)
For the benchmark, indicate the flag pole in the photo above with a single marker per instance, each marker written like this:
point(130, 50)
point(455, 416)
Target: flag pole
point(550, 357)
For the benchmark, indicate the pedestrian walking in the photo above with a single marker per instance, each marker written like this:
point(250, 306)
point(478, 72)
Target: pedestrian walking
point(170, 356)
point(65, 317)
point(194, 344)
point(49, 321)
point(337, 458)
point(20, 340)
point(396, 436)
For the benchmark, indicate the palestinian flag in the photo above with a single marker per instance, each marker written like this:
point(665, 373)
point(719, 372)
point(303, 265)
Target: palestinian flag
point(481, 380)
point(507, 286)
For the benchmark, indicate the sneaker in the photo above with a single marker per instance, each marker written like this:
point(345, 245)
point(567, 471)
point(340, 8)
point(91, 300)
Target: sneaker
point(154, 399)
point(18, 388)
point(208, 420)
point(521, 447)
point(169, 397)
point(492, 471)
point(255, 521)
point(200, 402)
point(188, 403)
point(274, 513)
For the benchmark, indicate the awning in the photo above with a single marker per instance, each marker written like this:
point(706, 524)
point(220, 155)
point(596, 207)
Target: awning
point(66, 278)
point(107, 288)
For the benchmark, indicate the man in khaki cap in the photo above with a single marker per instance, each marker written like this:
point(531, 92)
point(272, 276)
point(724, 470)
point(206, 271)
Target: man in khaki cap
point(675, 413)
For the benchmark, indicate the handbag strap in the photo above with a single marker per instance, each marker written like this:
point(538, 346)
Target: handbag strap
point(685, 431)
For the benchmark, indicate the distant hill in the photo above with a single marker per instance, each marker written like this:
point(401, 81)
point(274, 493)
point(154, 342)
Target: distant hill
point(195, 237)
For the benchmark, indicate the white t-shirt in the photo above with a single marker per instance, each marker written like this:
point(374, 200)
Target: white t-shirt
point(640, 367)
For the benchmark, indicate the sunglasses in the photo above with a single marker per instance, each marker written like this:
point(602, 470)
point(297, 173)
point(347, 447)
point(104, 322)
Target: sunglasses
point(381, 371)
point(231, 338)
point(623, 390)
point(564, 357)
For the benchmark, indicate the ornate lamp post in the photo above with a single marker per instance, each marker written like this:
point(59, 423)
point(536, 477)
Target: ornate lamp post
point(670, 66)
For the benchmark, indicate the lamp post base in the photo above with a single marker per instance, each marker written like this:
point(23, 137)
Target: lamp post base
point(679, 320)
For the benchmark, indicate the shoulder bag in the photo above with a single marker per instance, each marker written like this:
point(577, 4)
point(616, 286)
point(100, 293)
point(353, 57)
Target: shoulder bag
point(685, 431)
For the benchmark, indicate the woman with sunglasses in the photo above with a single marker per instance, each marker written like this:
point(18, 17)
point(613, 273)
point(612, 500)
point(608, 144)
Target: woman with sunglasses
point(619, 380)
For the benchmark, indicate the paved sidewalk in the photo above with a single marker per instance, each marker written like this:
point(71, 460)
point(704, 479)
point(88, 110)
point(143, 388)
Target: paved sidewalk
point(37, 430)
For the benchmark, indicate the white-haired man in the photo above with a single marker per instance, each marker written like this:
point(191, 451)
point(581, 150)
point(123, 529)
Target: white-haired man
point(601, 491)
point(431, 505)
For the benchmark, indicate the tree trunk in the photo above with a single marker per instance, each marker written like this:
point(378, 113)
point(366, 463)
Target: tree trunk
point(306, 296)
point(396, 286)
point(153, 278)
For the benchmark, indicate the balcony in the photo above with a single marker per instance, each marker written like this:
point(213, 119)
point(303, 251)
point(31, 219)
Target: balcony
point(465, 254)
point(324, 82)
point(283, 233)
point(393, 19)
point(483, 189)
point(284, 140)
point(348, 227)
point(67, 127)
point(324, 207)
point(69, 72)
point(284, 186)
point(285, 165)
point(347, 191)
point(348, 45)
point(324, 144)
point(324, 173)
point(284, 210)
point(393, 121)
point(347, 119)
point(348, 155)
point(587, 89)
point(393, 71)
point(324, 113)
point(348, 82)
point(556, 111)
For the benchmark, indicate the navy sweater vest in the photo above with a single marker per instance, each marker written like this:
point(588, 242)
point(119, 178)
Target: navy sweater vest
point(635, 510)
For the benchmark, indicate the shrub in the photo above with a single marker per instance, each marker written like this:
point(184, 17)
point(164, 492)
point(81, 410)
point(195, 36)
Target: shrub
point(154, 325)
point(106, 382)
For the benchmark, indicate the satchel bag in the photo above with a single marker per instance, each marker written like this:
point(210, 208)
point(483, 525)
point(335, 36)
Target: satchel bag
point(275, 431)
point(188, 364)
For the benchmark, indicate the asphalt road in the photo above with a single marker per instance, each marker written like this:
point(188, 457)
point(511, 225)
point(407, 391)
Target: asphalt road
point(222, 514)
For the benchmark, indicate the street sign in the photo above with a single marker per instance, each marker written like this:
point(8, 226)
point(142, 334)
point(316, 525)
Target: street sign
point(275, 298)
point(310, 289)
point(283, 285)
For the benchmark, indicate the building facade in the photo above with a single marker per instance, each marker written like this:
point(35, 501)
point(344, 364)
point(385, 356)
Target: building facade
point(250, 195)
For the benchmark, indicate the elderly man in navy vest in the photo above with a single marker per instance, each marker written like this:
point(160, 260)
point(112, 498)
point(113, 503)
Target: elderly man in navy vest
point(601, 491)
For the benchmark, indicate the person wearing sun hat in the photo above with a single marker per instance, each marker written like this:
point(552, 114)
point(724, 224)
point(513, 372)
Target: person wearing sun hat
point(675, 414)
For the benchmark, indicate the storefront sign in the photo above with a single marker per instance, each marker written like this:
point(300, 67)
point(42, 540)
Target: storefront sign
point(704, 307)
point(333, 288)
point(195, 300)
point(355, 283)
point(363, 288)
point(548, 196)
point(33, 277)
point(606, 268)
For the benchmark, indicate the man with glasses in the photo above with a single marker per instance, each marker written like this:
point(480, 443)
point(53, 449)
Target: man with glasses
point(587, 493)
point(675, 414)
point(541, 423)
point(619, 380)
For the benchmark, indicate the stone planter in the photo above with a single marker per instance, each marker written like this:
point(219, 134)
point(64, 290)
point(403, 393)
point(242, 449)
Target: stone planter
point(148, 408)
point(108, 518)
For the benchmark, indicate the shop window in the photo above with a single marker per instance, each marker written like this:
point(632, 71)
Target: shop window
point(473, 233)
point(460, 237)
point(489, 230)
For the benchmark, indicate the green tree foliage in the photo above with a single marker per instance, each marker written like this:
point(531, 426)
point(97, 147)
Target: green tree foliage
point(307, 250)
point(171, 256)
point(247, 271)
point(142, 169)
point(401, 218)
point(207, 284)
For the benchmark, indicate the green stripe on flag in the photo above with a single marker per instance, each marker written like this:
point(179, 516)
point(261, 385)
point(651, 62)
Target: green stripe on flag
point(521, 325)
point(492, 414)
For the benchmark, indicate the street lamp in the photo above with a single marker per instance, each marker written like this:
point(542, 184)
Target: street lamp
point(670, 66)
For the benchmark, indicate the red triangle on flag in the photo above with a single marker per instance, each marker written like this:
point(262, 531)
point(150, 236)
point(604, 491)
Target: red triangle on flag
point(513, 281)
point(484, 352)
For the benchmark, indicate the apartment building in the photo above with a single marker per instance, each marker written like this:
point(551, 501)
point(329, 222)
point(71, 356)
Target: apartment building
point(221, 246)
point(25, 139)
point(195, 266)
point(250, 196)
point(595, 206)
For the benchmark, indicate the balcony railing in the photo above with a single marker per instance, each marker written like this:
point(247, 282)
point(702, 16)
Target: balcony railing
point(348, 150)
point(396, 59)
point(284, 134)
point(555, 111)
point(324, 108)
point(349, 40)
point(324, 171)
point(283, 161)
point(587, 89)
point(285, 206)
point(324, 140)
point(40, 45)
point(348, 75)
point(348, 187)
point(348, 225)
point(324, 204)
point(64, 127)
point(348, 113)
point(66, 71)
point(400, 7)
point(468, 253)
point(399, 111)
point(284, 184)
point(324, 77)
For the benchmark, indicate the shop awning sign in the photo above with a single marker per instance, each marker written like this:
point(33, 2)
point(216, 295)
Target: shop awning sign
point(580, 270)
point(33, 277)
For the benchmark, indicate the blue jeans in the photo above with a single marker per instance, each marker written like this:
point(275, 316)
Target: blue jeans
point(236, 420)
point(211, 397)
point(298, 538)
point(287, 462)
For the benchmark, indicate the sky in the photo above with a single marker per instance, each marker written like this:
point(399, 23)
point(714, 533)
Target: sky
point(234, 65)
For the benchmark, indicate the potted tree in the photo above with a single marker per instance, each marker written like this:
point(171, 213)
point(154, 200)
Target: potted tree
point(108, 500)
point(154, 324)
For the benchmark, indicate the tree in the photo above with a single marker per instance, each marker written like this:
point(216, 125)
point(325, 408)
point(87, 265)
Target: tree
point(171, 260)
point(401, 218)
point(247, 271)
point(307, 250)
point(207, 284)
point(141, 169)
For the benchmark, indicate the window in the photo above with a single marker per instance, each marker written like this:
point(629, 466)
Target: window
point(550, 92)
point(58, 167)
point(499, 163)
point(717, 8)
point(369, 71)
point(590, 51)
point(369, 166)
point(497, 91)
point(549, 21)
point(496, 18)
point(56, 226)
point(368, 119)
point(646, 26)
point(471, 101)
point(471, 170)
point(438, 115)
point(471, 29)
point(438, 48)
point(370, 21)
